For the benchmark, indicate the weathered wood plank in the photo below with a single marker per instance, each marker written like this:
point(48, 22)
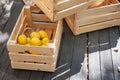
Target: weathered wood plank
point(105, 55)
point(115, 43)
point(79, 59)
point(1, 74)
point(94, 58)
point(36, 75)
point(4, 62)
point(10, 73)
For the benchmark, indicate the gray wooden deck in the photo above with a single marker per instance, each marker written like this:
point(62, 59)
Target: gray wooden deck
point(89, 56)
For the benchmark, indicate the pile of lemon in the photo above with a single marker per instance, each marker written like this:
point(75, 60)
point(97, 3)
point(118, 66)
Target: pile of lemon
point(39, 38)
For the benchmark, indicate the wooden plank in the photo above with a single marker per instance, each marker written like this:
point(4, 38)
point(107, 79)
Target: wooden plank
point(115, 43)
point(98, 18)
point(22, 48)
point(39, 17)
point(33, 58)
point(4, 60)
point(70, 23)
point(62, 5)
point(72, 10)
point(36, 75)
point(93, 27)
point(79, 59)
point(48, 4)
point(3, 66)
point(94, 58)
point(44, 9)
point(105, 56)
point(98, 10)
point(33, 66)
point(2, 49)
point(1, 74)
point(12, 74)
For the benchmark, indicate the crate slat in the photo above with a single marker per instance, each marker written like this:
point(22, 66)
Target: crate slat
point(33, 66)
point(97, 26)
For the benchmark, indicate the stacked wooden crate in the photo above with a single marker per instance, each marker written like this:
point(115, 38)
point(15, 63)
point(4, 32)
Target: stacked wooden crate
point(104, 15)
point(59, 9)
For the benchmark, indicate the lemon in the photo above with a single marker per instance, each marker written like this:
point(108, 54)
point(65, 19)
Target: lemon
point(34, 34)
point(45, 41)
point(35, 41)
point(32, 52)
point(43, 34)
point(22, 39)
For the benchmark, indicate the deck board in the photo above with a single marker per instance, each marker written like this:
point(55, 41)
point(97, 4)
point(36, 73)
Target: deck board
point(36, 75)
point(92, 52)
point(4, 61)
point(105, 55)
point(79, 59)
point(94, 56)
point(115, 43)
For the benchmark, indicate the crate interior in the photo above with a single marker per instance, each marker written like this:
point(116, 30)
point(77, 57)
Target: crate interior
point(36, 21)
point(24, 23)
point(104, 3)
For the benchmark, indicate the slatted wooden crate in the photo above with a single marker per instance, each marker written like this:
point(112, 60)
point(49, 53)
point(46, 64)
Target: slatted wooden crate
point(104, 15)
point(58, 9)
point(47, 56)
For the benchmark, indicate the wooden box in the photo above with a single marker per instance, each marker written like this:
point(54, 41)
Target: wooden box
point(58, 9)
point(46, 57)
point(105, 15)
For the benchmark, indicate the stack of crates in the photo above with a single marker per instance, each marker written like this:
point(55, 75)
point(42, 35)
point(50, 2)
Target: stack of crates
point(81, 15)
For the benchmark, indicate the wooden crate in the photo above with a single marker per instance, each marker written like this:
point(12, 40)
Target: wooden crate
point(58, 9)
point(47, 56)
point(102, 16)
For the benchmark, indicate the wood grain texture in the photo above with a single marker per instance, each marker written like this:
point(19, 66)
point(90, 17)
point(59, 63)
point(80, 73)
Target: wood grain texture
point(94, 56)
point(105, 56)
point(115, 43)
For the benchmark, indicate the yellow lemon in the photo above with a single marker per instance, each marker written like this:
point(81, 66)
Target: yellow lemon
point(34, 34)
point(22, 39)
point(45, 41)
point(35, 41)
point(43, 34)
point(32, 52)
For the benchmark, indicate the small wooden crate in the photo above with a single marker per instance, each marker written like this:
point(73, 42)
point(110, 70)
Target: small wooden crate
point(102, 16)
point(47, 56)
point(58, 9)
